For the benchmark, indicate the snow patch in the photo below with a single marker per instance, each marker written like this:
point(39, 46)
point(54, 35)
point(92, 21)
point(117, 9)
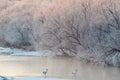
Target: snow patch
point(6, 78)
point(31, 53)
point(18, 52)
point(5, 50)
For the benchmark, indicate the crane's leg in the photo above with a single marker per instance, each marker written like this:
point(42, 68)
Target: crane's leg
point(45, 75)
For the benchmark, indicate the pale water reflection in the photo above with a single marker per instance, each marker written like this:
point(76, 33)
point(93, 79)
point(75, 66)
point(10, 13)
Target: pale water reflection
point(58, 67)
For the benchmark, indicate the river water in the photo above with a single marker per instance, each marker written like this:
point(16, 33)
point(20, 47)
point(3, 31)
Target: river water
point(58, 67)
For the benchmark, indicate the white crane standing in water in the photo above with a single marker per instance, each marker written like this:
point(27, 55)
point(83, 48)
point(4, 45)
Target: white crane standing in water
point(45, 72)
point(75, 73)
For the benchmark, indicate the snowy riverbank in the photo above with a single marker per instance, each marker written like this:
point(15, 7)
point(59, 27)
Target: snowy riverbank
point(18, 52)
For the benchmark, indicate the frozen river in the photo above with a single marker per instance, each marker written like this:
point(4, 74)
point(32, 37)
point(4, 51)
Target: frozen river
point(58, 67)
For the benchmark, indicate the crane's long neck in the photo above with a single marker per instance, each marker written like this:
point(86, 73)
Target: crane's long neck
point(46, 70)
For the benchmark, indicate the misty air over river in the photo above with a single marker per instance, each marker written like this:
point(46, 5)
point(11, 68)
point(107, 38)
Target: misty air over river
point(59, 39)
point(58, 67)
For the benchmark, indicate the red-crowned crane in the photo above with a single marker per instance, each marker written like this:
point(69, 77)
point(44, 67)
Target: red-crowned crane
point(45, 72)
